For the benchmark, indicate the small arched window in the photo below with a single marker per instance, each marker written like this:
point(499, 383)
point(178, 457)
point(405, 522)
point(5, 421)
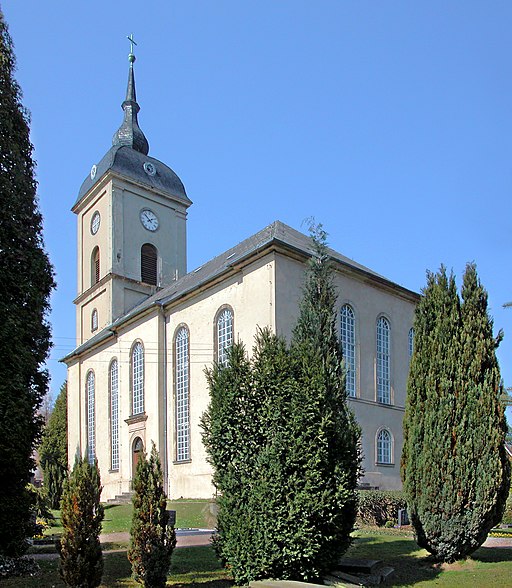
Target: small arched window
point(137, 373)
point(149, 264)
point(224, 334)
point(348, 346)
point(182, 393)
point(411, 341)
point(384, 447)
point(114, 414)
point(91, 416)
point(383, 361)
point(94, 320)
point(95, 266)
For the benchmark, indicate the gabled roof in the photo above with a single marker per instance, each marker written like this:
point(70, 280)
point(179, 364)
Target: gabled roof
point(276, 234)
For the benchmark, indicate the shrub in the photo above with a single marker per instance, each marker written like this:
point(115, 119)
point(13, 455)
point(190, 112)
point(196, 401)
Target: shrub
point(377, 507)
point(81, 560)
point(18, 566)
point(152, 538)
point(507, 516)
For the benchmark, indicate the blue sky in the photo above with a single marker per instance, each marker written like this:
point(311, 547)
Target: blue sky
point(389, 122)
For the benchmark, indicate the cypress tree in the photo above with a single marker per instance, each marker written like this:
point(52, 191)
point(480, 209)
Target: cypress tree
point(152, 538)
point(283, 445)
point(53, 451)
point(81, 559)
point(455, 472)
point(25, 284)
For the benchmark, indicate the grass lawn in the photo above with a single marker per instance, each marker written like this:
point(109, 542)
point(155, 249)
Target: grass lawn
point(197, 566)
point(118, 518)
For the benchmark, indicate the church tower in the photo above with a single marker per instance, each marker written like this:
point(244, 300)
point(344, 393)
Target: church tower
point(132, 212)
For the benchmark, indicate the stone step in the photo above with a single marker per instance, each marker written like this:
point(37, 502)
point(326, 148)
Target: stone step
point(358, 566)
point(124, 498)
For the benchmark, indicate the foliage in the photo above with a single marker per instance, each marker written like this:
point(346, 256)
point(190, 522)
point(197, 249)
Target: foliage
point(377, 507)
point(53, 451)
point(454, 467)
point(40, 504)
point(507, 515)
point(18, 566)
point(25, 284)
point(283, 445)
point(81, 560)
point(152, 538)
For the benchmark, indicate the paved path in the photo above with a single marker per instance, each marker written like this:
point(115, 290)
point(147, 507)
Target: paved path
point(184, 538)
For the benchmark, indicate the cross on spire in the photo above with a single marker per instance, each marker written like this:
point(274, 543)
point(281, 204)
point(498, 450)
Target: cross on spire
point(132, 42)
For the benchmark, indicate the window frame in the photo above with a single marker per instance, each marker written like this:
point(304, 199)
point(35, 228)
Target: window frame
point(114, 422)
point(381, 451)
point(181, 353)
point(383, 361)
point(220, 355)
point(140, 382)
point(90, 386)
point(351, 370)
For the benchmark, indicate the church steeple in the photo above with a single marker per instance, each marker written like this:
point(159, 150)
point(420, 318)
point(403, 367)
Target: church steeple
point(129, 133)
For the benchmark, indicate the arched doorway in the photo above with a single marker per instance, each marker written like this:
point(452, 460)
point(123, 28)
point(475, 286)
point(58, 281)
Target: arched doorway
point(137, 449)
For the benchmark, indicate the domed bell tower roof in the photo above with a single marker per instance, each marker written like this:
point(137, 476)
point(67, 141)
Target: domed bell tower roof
point(128, 155)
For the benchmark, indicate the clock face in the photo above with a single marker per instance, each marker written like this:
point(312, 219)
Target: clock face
point(95, 222)
point(149, 219)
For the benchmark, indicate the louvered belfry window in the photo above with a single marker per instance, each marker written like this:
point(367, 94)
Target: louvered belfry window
point(95, 269)
point(148, 264)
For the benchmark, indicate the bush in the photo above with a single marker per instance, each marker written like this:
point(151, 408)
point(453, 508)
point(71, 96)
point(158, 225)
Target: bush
point(377, 507)
point(152, 538)
point(18, 566)
point(81, 560)
point(507, 516)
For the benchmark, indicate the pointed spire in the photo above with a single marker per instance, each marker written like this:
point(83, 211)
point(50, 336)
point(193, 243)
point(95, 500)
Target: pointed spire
point(129, 133)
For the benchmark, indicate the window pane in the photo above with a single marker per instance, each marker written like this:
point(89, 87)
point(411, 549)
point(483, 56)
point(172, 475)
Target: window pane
point(137, 379)
point(114, 415)
point(182, 395)
point(383, 362)
point(348, 346)
point(91, 433)
point(411, 342)
point(224, 335)
point(384, 447)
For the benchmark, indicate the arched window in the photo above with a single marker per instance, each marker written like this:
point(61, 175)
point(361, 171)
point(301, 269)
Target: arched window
point(383, 361)
point(149, 264)
point(181, 386)
point(114, 414)
point(94, 320)
point(91, 417)
point(348, 346)
point(95, 266)
point(223, 334)
point(384, 447)
point(137, 361)
point(411, 341)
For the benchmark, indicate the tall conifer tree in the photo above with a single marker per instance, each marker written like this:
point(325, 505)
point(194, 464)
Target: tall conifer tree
point(26, 281)
point(53, 451)
point(283, 444)
point(455, 472)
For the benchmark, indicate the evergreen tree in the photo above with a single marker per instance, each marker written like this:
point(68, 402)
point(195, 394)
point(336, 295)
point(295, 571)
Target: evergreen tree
point(53, 451)
point(455, 471)
point(283, 445)
point(81, 559)
point(25, 284)
point(152, 538)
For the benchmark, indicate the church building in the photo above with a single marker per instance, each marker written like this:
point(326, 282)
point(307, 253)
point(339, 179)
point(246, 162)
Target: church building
point(147, 328)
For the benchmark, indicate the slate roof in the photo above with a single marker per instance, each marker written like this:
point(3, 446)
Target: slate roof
point(276, 233)
point(129, 163)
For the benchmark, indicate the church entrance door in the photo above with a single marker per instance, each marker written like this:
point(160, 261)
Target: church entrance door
point(137, 449)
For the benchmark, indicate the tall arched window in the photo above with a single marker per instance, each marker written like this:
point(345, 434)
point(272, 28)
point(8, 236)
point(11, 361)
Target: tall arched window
point(223, 334)
point(91, 416)
point(149, 264)
point(383, 361)
point(411, 341)
point(182, 389)
point(95, 266)
point(384, 447)
point(114, 414)
point(137, 361)
point(348, 346)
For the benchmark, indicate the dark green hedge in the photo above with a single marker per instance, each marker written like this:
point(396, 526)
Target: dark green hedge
point(376, 507)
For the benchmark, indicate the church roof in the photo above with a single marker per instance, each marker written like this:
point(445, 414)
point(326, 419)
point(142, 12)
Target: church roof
point(276, 234)
point(128, 155)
